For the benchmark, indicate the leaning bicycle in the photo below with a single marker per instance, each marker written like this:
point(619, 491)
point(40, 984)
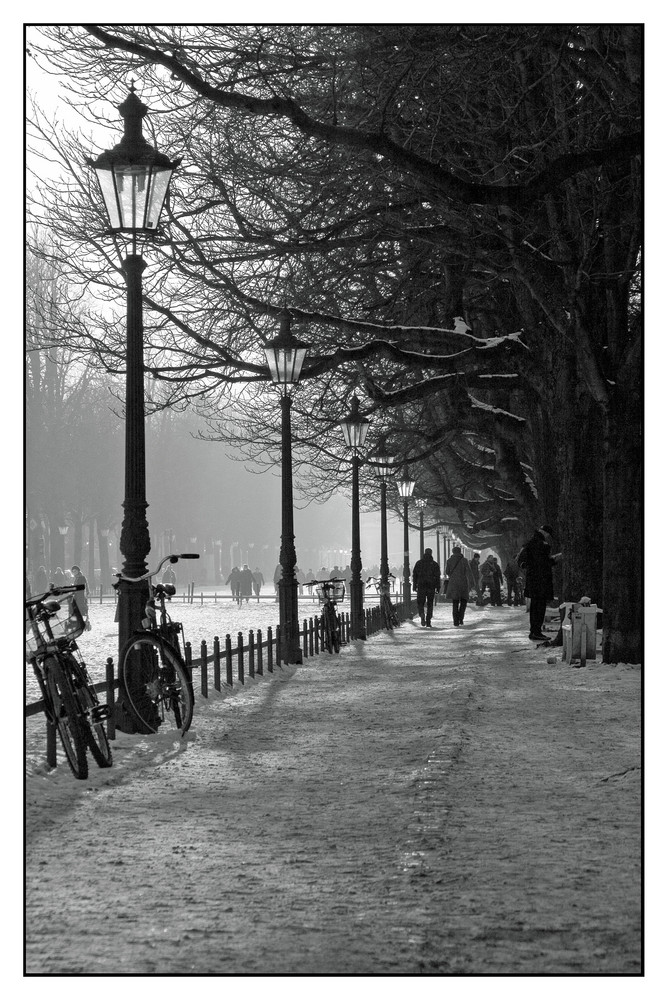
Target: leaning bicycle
point(70, 700)
point(387, 610)
point(152, 668)
point(329, 592)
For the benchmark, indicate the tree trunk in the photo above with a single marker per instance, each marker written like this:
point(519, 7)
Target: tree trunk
point(91, 553)
point(103, 547)
point(622, 545)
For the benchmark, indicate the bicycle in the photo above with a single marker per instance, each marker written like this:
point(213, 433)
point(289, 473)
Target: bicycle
point(70, 700)
point(329, 592)
point(152, 667)
point(387, 609)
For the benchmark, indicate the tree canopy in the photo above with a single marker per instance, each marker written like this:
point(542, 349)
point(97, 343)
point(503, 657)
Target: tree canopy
point(451, 216)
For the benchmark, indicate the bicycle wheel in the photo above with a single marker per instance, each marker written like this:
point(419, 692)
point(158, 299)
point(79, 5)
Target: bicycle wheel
point(156, 683)
point(325, 631)
point(333, 637)
point(66, 716)
point(93, 716)
point(389, 615)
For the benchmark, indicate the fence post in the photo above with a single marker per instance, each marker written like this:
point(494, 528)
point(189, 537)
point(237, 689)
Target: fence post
point(240, 656)
point(259, 652)
point(251, 654)
point(109, 677)
point(270, 650)
point(305, 640)
point(310, 636)
point(278, 645)
point(316, 631)
point(216, 663)
point(204, 671)
point(228, 660)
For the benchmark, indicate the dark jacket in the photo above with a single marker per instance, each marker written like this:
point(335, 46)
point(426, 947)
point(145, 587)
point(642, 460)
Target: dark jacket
point(460, 577)
point(426, 574)
point(537, 563)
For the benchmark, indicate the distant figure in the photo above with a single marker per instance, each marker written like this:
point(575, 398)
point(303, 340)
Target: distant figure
point(258, 582)
point(300, 578)
point(59, 578)
point(169, 576)
point(511, 573)
point(335, 574)
point(460, 582)
point(81, 596)
point(487, 579)
point(233, 580)
point(41, 581)
point(347, 573)
point(426, 581)
point(497, 580)
point(475, 570)
point(245, 584)
point(278, 576)
point(68, 578)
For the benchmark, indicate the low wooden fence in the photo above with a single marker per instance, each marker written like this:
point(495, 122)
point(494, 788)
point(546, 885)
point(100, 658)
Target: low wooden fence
point(249, 657)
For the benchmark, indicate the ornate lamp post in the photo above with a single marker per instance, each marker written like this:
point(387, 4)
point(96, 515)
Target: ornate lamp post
point(421, 503)
point(384, 468)
point(285, 357)
point(134, 181)
point(406, 485)
point(355, 429)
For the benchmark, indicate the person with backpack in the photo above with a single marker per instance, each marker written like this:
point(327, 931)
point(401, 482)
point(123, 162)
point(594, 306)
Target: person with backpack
point(460, 583)
point(426, 581)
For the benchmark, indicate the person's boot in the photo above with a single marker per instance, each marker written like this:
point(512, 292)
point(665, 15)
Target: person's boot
point(422, 621)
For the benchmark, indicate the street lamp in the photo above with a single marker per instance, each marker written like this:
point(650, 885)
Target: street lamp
point(406, 485)
point(285, 357)
point(421, 503)
point(355, 429)
point(383, 464)
point(134, 181)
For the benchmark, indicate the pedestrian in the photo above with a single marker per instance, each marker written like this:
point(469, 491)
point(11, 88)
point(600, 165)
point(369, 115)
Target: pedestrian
point(233, 580)
point(335, 574)
point(278, 576)
point(487, 579)
point(300, 578)
point(245, 584)
point(511, 573)
point(169, 576)
point(80, 598)
point(475, 571)
point(460, 582)
point(497, 580)
point(536, 560)
point(258, 582)
point(41, 581)
point(59, 578)
point(426, 581)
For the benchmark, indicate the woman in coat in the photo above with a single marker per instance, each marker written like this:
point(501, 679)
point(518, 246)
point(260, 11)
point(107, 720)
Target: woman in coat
point(460, 582)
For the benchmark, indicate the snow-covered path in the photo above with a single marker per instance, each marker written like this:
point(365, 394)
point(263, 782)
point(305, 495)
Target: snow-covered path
point(429, 802)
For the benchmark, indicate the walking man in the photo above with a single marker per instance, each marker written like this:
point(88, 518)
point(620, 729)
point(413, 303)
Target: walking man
point(426, 581)
point(460, 582)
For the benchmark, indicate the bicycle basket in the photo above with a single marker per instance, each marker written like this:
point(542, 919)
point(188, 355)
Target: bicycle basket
point(64, 622)
point(330, 590)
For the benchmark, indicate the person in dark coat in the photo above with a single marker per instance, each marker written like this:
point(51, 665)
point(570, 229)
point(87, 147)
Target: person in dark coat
point(233, 580)
point(245, 584)
point(460, 582)
point(41, 581)
point(426, 581)
point(475, 570)
point(497, 580)
point(258, 582)
point(537, 562)
point(511, 573)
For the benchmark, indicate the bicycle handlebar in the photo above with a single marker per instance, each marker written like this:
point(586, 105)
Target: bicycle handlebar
point(171, 558)
point(319, 583)
point(54, 592)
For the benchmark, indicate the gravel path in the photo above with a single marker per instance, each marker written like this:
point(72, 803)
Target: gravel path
point(429, 802)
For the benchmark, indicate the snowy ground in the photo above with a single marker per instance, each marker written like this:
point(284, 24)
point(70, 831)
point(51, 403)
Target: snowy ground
point(428, 803)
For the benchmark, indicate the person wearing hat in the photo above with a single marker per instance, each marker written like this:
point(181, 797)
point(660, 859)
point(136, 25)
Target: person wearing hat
point(426, 581)
point(460, 581)
point(537, 562)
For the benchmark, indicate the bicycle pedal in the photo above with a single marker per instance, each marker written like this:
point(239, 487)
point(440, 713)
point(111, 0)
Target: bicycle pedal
point(100, 712)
